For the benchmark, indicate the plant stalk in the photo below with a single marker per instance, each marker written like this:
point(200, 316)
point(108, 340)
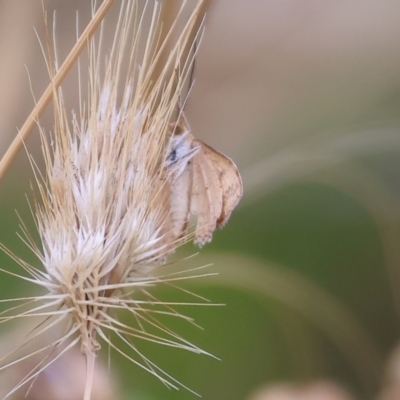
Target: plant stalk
point(56, 81)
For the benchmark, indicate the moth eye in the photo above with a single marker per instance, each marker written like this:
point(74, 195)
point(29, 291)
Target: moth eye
point(179, 151)
point(172, 156)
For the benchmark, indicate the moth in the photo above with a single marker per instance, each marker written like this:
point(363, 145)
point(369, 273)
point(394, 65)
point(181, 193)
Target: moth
point(204, 183)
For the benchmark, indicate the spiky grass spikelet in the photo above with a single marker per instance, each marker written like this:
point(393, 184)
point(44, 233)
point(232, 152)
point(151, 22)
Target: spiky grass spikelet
point(104, 217)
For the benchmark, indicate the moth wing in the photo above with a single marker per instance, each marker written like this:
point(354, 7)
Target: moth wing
point(180, 201)
point(205, 183)
point(229, 179)
point(206, 197)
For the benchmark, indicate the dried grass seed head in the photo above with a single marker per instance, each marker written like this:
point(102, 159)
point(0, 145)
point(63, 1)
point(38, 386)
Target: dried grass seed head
point(105, 214)
point(116, 198)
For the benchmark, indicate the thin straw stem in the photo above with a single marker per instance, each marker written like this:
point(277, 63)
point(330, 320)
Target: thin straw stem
point(90, 364)
point(56, 81)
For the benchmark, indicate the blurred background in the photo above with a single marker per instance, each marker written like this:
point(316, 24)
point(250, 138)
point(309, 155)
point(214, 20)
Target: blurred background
point(304, 97)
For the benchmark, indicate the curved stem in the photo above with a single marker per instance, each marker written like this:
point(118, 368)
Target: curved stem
point(54, 84)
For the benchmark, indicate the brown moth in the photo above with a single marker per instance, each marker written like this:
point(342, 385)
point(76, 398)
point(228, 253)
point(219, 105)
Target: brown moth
point(204, 183)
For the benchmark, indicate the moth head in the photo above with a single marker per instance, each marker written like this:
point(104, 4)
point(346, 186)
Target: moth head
point(180, 151)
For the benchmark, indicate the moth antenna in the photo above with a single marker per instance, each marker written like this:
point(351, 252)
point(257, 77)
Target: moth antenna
point(191, 77)
point(182, 104)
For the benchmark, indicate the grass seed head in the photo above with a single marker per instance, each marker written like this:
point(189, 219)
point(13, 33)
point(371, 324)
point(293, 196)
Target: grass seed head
point(108, 208)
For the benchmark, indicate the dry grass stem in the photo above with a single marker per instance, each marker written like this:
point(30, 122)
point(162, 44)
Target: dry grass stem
point(58, 78)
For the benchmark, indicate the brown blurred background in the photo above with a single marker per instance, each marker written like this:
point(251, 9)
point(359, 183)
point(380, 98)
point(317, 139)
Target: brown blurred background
point(304, 97)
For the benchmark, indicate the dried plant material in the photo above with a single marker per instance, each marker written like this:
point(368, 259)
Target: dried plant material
point(62, 380)
point(323, 390)
point(205, 183)
point(46, 97)
point(107, 215)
